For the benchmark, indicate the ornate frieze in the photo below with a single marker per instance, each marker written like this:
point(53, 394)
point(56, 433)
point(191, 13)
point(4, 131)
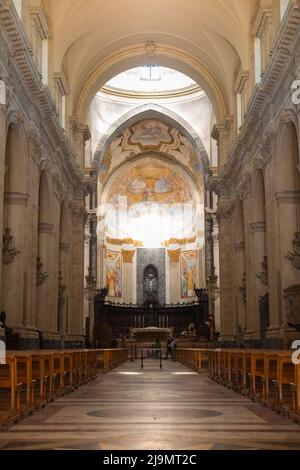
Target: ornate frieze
point(34, 98)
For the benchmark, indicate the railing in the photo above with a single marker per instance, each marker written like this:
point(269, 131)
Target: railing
point(31, 379)
point(268, 377)
point(196, 359)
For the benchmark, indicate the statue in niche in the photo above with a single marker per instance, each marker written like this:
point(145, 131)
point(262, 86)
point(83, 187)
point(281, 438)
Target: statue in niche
point(150, 282)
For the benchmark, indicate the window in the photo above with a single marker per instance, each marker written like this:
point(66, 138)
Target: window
point(257, 59)
point(60, 92)
point(283, 7)
point(39, 41)
point(18, 7)
point(239, 111)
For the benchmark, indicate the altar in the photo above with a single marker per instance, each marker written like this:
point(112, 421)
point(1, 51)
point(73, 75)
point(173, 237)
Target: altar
point(150, 334)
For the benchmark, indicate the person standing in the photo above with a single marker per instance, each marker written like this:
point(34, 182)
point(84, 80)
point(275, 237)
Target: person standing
point(169, 349)
point(173, 349)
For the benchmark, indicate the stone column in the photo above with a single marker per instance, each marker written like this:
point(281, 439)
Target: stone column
point(253, 325)
point(2, 173)
point(258, 230)
point(64, 249)
point(224, 215)
point(43, 305)
point(269, 152)
point(240, 294)
point(77, 272)
point(127, 276)
point(174, 276)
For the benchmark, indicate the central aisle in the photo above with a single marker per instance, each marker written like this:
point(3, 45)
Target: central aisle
point(168, 409)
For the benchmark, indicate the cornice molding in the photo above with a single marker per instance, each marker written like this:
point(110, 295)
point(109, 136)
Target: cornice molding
point(22, 68)
point(251, 132)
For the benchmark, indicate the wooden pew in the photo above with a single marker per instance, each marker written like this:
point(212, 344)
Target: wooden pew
point(257, 375)
point(10, 390)
point(196, 359)
point(37, 359)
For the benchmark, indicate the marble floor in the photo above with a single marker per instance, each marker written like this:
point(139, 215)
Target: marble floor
point(152, 409)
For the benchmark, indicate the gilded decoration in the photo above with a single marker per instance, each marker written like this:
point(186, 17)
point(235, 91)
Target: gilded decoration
point(151, 135)
point(128, 256)
point(174, 255)
point(124, 241)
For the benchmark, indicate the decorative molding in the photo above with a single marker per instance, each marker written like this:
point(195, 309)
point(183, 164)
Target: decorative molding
point(45, 228)
point(124, 241)
point(288, 197)
point(262, 18)
point(241, 82)
point(78, 213)
point(258, 227)
point(225, 209)
point(80, 128)
point(267, 97)
point(61, 82)
point(178, 241)
point(33, 96)
point(40, 20)
point(174, 255)
point(128, 256)
point(150, 49)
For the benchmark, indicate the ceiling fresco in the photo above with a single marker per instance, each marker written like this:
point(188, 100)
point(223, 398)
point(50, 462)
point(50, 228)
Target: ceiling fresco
point(150, 135)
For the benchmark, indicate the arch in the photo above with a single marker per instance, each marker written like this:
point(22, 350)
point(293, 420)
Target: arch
point(166, 56)
point(14, 220)
point(150, 111)
point(288, 178)
point(124, 166)
point(151, 268)
point(16, 168)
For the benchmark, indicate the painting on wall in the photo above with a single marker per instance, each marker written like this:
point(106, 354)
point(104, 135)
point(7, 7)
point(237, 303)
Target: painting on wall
point(188, 273)
point(114, 274)
point(150, 133)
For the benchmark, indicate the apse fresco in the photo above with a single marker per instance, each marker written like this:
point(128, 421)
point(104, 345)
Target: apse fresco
point(152, 201)
point(188, 273)
point(114, 274)
point(151, 180)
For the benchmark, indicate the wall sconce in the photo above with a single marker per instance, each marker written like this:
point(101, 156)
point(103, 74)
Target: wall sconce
point(41, 275)
point(61, 289)
point(212, 289)
point(9, 252)
point(243, 288)
point(91, 285)
point(294, 255)
point(264, 274)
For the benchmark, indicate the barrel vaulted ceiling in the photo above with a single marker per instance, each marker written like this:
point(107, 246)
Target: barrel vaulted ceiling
point(94, 40)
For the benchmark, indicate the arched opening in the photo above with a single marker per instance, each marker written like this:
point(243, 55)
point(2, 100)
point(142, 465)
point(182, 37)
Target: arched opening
point(288, 201)
point(151, 151)
point(14, 275)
